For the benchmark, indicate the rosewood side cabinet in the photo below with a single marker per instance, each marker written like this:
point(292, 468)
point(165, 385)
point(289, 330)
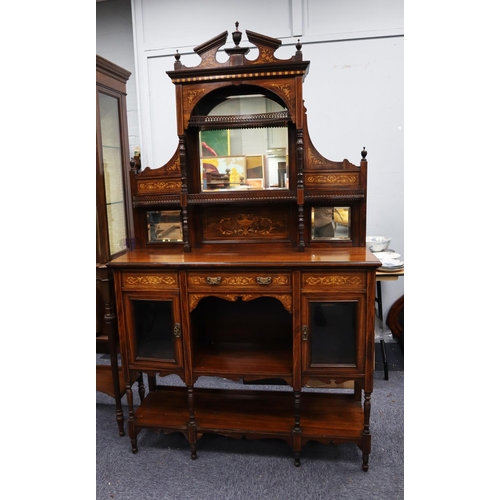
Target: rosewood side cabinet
point(250, 264)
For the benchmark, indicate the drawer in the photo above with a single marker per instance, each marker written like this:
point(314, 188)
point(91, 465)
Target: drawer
point(149, 281)
point(338, 280)
point(276, 281)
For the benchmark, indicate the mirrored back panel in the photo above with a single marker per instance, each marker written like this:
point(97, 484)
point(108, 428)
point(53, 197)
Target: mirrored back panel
point(164, 226)
point(237, 154)
point(331, 223)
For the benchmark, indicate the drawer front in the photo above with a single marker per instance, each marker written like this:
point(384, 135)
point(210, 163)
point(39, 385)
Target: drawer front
point(276, 281)
point(338, 280)
point(149, 281)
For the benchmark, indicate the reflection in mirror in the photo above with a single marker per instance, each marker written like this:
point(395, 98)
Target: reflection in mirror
point(164, 226)
point(331, 223)
point(244, 158)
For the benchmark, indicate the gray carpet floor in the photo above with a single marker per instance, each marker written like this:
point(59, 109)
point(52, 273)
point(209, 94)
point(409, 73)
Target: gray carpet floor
point(233, 469)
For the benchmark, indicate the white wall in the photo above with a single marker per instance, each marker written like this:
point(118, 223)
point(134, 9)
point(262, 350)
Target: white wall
point(115, 42)
point(353, 92)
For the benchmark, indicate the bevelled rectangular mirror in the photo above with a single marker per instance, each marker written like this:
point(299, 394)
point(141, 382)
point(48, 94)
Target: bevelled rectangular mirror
point(164, 226)
point(331, 223)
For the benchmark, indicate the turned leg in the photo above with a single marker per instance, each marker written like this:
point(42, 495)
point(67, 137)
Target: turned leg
point(110, 326)
point(131, 419)
point(297, 431)
point(365, 461)
point(192, 423)
point(152, 383)
point(120, 419)
point(366, 444)
point(142, 390)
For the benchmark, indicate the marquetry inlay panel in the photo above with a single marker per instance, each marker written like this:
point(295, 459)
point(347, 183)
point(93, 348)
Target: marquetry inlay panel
point(150, 281)
point(231, 225)
point(319, 180)
point(285, 299)
point(259, 280)
point(156, 187)
point(333, 280)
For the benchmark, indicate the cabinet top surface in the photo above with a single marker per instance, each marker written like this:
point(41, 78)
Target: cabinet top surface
point(356, 257)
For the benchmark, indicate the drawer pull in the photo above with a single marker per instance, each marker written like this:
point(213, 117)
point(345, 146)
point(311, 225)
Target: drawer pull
point(264, 281)
point(214, 281)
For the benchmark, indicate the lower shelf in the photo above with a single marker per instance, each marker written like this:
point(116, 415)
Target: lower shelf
point(323, 416)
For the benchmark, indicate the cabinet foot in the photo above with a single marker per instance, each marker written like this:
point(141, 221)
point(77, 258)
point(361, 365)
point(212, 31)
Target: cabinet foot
point(297, 460)
point(365, 462)
point(194, 454)
point(120, 420)
point(133, 442)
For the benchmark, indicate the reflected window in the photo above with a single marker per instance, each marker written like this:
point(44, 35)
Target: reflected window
point(164, 226)
point(331, 223)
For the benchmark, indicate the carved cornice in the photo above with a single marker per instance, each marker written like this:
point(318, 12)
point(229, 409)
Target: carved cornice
point(237, 76)
point(266, 64)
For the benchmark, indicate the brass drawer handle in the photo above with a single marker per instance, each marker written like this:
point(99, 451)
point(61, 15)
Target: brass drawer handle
point(264, 281)
point(214, 281)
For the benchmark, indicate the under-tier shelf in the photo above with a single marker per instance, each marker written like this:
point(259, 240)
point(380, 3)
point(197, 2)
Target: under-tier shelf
point(330, 417)
point(243, 359)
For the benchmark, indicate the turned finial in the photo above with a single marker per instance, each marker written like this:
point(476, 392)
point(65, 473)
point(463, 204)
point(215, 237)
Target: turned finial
point(237, 34)
point(364, 153)
point(299, 45)
point(177, 55)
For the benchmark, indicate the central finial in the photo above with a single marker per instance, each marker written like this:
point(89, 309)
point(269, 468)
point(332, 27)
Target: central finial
point(236, 34)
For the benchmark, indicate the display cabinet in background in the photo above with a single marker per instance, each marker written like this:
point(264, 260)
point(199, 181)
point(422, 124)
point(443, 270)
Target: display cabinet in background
point(114, 232)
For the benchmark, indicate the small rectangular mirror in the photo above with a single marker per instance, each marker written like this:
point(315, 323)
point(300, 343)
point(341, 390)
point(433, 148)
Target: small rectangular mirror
point(164, 226)
point(331, 223)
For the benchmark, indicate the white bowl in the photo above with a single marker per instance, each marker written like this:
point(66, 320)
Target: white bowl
point(377, 243)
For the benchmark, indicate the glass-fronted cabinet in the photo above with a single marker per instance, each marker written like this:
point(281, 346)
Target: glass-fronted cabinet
point(157, 335)
point(113, 217)
point(332, 335)
point(114, 227)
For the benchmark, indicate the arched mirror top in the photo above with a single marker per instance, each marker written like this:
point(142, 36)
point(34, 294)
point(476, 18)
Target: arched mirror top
point(245, 107)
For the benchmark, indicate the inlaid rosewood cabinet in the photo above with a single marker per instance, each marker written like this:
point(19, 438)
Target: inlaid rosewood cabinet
point(250, 264)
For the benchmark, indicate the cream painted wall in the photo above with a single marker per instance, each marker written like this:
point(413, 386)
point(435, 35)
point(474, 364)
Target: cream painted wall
point(356, 54)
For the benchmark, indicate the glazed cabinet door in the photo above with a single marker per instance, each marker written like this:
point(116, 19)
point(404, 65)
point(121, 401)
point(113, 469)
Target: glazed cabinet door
point(333, 335)
point(154, 334)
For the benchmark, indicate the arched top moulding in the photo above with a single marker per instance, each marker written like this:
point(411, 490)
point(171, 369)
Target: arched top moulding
point(280, 77)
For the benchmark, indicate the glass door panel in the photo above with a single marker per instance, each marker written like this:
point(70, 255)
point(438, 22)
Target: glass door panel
point(155, 329)
point(113, 177)
point(333, 333)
